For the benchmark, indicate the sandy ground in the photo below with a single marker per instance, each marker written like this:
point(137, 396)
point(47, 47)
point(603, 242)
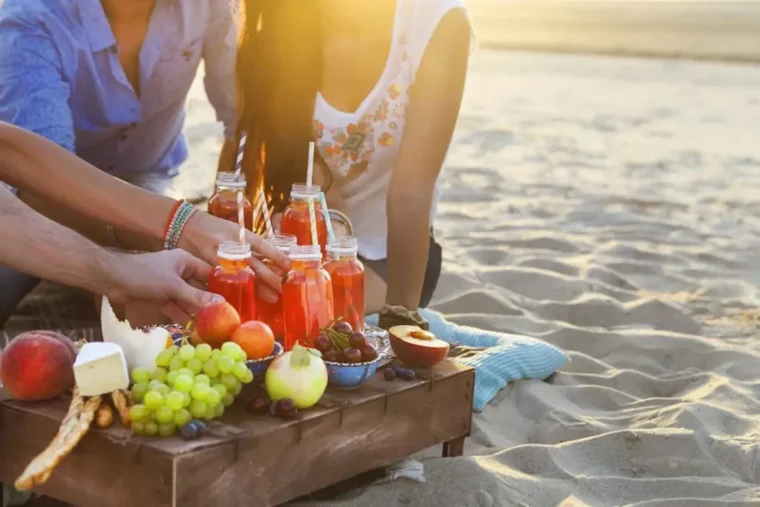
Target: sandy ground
point(609, 206)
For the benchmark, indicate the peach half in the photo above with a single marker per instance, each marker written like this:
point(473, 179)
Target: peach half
point(416, 347)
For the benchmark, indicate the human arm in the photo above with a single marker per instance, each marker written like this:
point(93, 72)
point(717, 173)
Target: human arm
point(28, 161)
point(431, 116)
point(38, 246)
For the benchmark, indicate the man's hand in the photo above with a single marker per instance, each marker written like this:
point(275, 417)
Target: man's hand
point(204, 232)
point(171, 280)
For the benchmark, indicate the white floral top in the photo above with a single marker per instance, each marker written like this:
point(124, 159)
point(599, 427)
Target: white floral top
point(361, 147)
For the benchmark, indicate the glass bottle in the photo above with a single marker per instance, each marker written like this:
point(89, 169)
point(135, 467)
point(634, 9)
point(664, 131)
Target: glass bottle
point(307, 297)
point(234, 279)
point(271, 313)
point(347, 275)
point(224, 204)
point(295, 219)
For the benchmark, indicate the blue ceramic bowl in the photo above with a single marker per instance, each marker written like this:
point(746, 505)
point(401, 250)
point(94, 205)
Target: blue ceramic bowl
point(350, 375)
point(259, 366)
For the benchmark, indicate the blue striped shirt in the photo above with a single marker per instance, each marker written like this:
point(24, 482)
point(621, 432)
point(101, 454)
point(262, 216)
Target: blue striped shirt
point(60, 77)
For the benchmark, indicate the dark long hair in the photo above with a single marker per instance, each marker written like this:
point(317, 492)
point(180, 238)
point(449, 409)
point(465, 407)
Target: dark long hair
point(279, 71)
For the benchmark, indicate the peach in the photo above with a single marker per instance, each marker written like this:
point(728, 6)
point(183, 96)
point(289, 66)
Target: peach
point(216, 322)
point(38, 365)
point(416, 347)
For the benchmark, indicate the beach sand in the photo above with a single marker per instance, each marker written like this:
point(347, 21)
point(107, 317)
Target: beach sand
point(608, 206)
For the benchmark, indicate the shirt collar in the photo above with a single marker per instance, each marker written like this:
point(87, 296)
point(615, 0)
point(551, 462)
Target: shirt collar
point(96, 25)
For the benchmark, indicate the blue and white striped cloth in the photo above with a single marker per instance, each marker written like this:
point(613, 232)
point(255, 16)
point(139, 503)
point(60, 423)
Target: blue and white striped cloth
point(507, 357)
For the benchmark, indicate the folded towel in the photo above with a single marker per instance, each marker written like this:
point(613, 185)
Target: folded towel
point(504, 357)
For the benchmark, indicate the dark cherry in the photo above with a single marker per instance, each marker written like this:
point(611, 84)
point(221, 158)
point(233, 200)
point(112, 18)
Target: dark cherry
point(357, 340)
point(330, 355)
point(343, 327)
point(258, 405)
point(286, 409)
point(405, 373)
point(389, 374)
point(352, 355)
point(323, 343)
point(368, 353)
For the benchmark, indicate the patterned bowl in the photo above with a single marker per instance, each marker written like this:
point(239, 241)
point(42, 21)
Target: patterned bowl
point(349, 376)
point(259, 366)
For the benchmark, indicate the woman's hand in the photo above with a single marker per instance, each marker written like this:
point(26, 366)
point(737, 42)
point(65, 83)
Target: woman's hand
point(204, 232)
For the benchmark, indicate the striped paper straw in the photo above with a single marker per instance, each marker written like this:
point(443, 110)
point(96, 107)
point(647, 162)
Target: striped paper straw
point(313, 221)
point(267, 218)
point(238, 170)
point(326, 214)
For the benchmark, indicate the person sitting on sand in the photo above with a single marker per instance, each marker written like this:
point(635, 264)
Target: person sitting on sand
point(108, 80)
point(377, 85)
point(29, 161)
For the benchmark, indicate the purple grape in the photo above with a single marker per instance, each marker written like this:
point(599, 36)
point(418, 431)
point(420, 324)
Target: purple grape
point(357, 340)
point(343, 327)
point(368, 353)
point(389, 373)
point(286, 408)
point(405, 373)
point(323, 343)
point(258, 405)
point(352, 355)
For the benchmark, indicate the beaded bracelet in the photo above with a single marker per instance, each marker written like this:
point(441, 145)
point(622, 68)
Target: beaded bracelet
point(177, 224)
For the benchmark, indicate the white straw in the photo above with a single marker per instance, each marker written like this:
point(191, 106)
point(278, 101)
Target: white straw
point(326, 214)
point(310, 167)
point(267, 218)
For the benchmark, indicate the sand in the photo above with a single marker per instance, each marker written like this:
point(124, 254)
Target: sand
point(609, 206)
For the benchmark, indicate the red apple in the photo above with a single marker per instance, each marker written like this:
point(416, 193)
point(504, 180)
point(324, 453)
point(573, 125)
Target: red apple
point(416, 347)
point(38, 366)
point(216, 322)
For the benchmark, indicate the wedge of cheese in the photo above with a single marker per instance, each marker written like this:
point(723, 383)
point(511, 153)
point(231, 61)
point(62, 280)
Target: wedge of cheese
point(100, 368)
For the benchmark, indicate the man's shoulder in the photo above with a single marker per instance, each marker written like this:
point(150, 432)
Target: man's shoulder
point(36, 12)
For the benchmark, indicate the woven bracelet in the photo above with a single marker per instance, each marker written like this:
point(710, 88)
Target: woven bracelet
point(177, 224)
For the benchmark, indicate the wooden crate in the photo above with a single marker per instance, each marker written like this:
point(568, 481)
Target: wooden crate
point(247, 459)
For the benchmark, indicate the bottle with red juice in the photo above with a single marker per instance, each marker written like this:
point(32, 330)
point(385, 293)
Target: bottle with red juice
point(223, 204)
point(347, 275)
point(234, 279)
point(307, 297)
point(271, 313)
point(295, 219)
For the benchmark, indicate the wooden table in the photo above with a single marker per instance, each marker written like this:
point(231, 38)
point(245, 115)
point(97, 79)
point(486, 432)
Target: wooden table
point(247, 459)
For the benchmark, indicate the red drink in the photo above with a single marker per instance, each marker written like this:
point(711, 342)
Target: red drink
point(295, 218)
point(347, 274)
point(234, 279)
point(307, 297)
point(271, 313)
point(223, 203)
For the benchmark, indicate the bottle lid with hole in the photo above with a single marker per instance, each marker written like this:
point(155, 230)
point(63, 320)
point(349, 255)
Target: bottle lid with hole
point(283, 242)
point(228, 181)
point(233, 251)
point(304, 192)
point(305, 253)
point(343, 245)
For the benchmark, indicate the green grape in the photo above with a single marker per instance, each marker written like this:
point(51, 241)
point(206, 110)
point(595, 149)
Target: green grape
point(213, 398)
point(216, 354)
point(234, 351)
point(151, 428)
point(171, 377)
point(229, 381)
point(139, 413)
point(203, 352)
point(138, 428)
point(238, 387)
point(200, 392)
point(228, 400)
point(209, 413)
point(166, 429)
point(139, 390)
point(239, 369)
point(202, 379)
point(210, 369)
point(154, 383)
point(187, 400)
point(175, 400)
point(182, 417)
point(219, 410)
point(154, 400)
point(173, 350)
point(187, 352)
point(248, 377)
point(225, 364)
point(164, 414)
point(163, 389)
point(198, 408)
point(183, 383)
point(187, 371)
point(158, 374)
point(195, 365)
point(221, 389)
point(140, 375)
point(163, 358)
point(176, 364)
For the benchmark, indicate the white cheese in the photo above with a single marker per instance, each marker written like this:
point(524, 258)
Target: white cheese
point(100, 368)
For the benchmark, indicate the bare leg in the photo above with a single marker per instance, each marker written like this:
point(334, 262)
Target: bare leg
point(374, 291)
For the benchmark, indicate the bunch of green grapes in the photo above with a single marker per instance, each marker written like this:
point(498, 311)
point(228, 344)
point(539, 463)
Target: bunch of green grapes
point(187, 383)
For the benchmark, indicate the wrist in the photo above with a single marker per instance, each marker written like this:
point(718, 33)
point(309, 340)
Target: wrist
point(108, 273)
